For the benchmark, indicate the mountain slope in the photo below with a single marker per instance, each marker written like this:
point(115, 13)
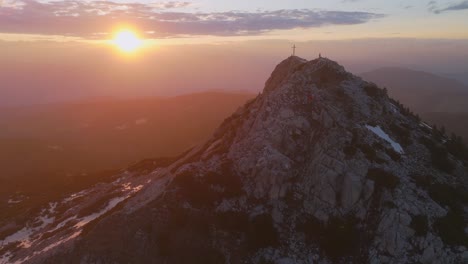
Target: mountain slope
point(321, 167)
point(422, 91)
point(55, 148)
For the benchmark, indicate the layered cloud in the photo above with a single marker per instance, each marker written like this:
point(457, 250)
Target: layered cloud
point(452, 7)
point(94, 19)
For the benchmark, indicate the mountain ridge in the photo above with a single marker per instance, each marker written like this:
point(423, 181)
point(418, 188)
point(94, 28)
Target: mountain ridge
point(321, 167)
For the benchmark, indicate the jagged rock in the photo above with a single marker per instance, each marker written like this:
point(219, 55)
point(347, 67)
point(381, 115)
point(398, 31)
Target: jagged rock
point(294, 176)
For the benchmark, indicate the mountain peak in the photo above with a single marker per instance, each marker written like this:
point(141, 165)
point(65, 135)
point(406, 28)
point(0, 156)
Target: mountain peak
point(321, 67)
point(282, 70)
point(321, 166)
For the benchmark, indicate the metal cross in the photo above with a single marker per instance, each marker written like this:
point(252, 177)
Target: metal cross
point(294, 50)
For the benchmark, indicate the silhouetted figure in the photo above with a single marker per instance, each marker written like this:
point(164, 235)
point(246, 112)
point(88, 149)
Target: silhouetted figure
point(294, 50)
point(320, 55)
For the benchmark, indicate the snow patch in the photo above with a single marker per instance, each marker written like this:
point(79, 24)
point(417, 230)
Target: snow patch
point(5, 258)
point(50, 220)
point(394, 108)
point(13, 201)
point(422, 124)
point(49, 247)
point(379, 132)
point(21, 235)
point(24, 236)
point(75, 196)
point(112, 203)
point(17, 199)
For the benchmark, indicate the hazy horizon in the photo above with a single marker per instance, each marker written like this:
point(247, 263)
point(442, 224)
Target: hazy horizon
point(64, 71)
point(167, 131)
point(53, 51)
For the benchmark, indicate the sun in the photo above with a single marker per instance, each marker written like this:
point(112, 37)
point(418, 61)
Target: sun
point(127, 41)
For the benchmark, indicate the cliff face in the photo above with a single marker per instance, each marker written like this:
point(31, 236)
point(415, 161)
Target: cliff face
point(322, 167)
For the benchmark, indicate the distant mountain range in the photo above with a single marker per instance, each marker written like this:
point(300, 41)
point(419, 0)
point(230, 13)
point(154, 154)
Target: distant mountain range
point(440, 100)
point(461, 77)
point(423, 92)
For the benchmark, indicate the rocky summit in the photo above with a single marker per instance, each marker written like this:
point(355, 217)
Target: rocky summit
point(321, 167)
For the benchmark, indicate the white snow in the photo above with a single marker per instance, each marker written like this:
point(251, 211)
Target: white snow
point(5, 258)
point(137, 188)
point(25, 235)
point(128, 187)
point(17, 199)
point(112, 203)
point(47, 221)
point(394, 108)
point(75, 196)
point(49, 247)
point(379, 132)
point(21, 235)
point(422, 124)
point(62, 224)
point(52, 207)
point(13, 201)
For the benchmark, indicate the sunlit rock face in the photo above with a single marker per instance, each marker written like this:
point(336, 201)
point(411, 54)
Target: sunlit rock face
point(322, 167)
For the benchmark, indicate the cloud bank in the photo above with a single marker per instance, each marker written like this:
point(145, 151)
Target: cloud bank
point(95, 19)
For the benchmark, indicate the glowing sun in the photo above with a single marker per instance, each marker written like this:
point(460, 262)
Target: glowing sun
point(127, 41)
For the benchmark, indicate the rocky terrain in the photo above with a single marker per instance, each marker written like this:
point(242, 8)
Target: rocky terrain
point(322, 167)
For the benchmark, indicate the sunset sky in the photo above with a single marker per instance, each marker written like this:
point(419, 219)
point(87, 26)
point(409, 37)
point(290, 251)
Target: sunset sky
point(62, 49)
point(294, 19)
